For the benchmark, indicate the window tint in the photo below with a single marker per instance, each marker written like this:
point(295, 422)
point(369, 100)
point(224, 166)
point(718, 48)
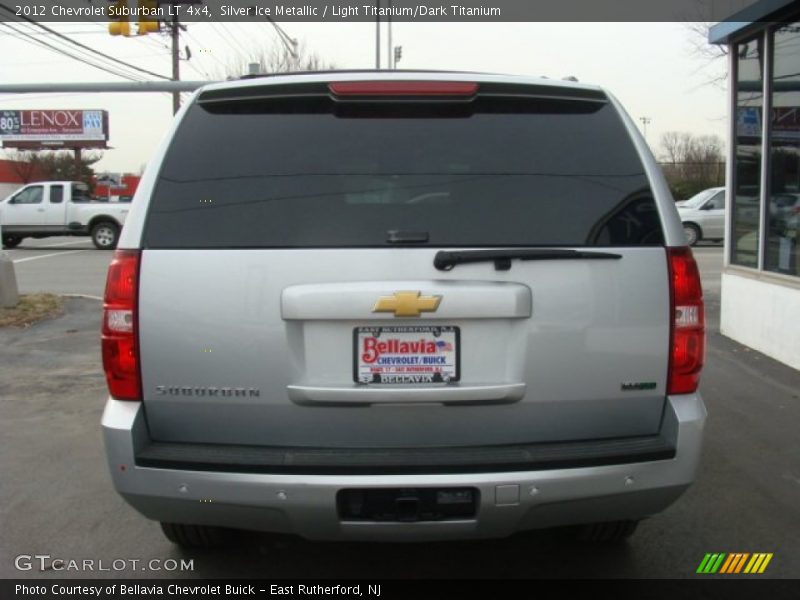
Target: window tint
point(56, 194)
point(31, 195)
point(309, 173)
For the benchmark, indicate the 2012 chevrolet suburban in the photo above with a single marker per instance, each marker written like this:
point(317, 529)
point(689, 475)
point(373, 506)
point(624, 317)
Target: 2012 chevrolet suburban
point(402, 306)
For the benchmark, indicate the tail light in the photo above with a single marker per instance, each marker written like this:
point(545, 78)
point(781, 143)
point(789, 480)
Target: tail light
point(120, 324)
point(687, 326)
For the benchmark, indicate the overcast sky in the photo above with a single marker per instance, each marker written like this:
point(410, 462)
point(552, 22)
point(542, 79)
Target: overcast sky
point(650, 67)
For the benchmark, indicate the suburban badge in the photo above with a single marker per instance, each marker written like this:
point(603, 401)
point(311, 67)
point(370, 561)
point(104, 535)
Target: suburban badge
point(638, 385)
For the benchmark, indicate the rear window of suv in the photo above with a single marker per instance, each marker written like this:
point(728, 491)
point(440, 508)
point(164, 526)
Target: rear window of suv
point(312, 172)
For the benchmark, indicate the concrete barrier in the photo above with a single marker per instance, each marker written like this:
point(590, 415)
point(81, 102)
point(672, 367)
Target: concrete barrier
point(9, 295)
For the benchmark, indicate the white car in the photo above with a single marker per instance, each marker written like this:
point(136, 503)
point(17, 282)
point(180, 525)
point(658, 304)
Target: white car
point(703, 215)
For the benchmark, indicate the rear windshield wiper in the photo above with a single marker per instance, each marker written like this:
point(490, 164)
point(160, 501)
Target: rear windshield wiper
point(445, 260)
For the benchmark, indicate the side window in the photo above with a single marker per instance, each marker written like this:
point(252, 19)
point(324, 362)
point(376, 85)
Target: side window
point(56, 194)
point(80, 193)
point(717, 202)
point(31, 195)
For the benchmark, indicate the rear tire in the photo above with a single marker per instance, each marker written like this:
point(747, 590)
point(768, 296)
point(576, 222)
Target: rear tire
point(614, 531)
point(105, 235)
point(11, 241)
point(693, 233)
point(201, 537)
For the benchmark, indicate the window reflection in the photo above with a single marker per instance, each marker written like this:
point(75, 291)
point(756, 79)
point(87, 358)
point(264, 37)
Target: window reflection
point(749, 110)
point(783, 215)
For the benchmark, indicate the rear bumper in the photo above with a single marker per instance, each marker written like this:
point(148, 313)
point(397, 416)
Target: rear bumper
point(305, 504)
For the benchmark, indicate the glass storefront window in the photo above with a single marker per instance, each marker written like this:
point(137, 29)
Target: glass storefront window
point(782, 250)
point(748, 143)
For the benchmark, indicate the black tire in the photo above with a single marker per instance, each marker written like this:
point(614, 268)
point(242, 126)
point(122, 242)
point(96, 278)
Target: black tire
point(693, 233)
point(614, 531)
point(105, 235)
point(201, 537)
point(11, 241)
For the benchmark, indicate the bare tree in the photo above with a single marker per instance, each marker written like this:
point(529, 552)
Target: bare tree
point(683, 147)
point(692, 163)
point(712, 56)
point(671, 144)
point(279, 59)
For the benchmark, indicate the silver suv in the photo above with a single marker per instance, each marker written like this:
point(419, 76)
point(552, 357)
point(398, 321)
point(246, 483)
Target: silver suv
point(402, 306)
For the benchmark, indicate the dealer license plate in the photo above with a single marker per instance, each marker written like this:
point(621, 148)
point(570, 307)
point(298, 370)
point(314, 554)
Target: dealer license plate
point(412, 354)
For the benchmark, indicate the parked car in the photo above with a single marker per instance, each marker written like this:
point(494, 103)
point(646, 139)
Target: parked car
point(703, 215)
point(52, 208)
point(402, 306)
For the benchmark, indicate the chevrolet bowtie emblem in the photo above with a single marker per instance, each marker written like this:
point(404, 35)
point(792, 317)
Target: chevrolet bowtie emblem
point(407, 304)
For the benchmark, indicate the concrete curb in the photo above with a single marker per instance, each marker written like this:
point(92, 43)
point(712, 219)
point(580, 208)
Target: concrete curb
point(86, 296)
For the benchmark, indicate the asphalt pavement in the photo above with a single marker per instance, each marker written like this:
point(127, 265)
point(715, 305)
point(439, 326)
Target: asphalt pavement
point(56, 497)
point(60, 265)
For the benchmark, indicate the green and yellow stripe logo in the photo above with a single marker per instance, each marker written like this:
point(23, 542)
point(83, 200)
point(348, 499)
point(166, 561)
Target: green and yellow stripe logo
point(734, 563)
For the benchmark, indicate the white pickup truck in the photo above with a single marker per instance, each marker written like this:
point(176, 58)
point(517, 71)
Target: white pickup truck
point(50, 208)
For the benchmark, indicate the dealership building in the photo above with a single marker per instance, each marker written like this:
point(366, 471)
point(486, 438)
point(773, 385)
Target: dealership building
point(761, 277)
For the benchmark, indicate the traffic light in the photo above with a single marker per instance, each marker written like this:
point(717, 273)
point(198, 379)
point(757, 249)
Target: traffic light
point(148, 17)
point(118, 14)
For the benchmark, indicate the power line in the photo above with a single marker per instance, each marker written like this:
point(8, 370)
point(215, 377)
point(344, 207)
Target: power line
point(87, 32)
point(201, 45)
point(50, 62)
point(84, 57)
point(231, 39)
point(32, 40)
point(289, 43)
point(80, 45)
point(144, 40)
point(197, 70)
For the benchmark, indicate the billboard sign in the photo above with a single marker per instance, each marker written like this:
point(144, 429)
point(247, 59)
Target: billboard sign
point(59, 126)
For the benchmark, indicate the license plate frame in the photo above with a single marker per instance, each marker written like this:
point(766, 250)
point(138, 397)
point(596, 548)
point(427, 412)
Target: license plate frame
point(416, 372)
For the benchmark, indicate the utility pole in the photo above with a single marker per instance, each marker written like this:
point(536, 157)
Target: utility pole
point(176, 68)
point(645, 121)
point(78, 162)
